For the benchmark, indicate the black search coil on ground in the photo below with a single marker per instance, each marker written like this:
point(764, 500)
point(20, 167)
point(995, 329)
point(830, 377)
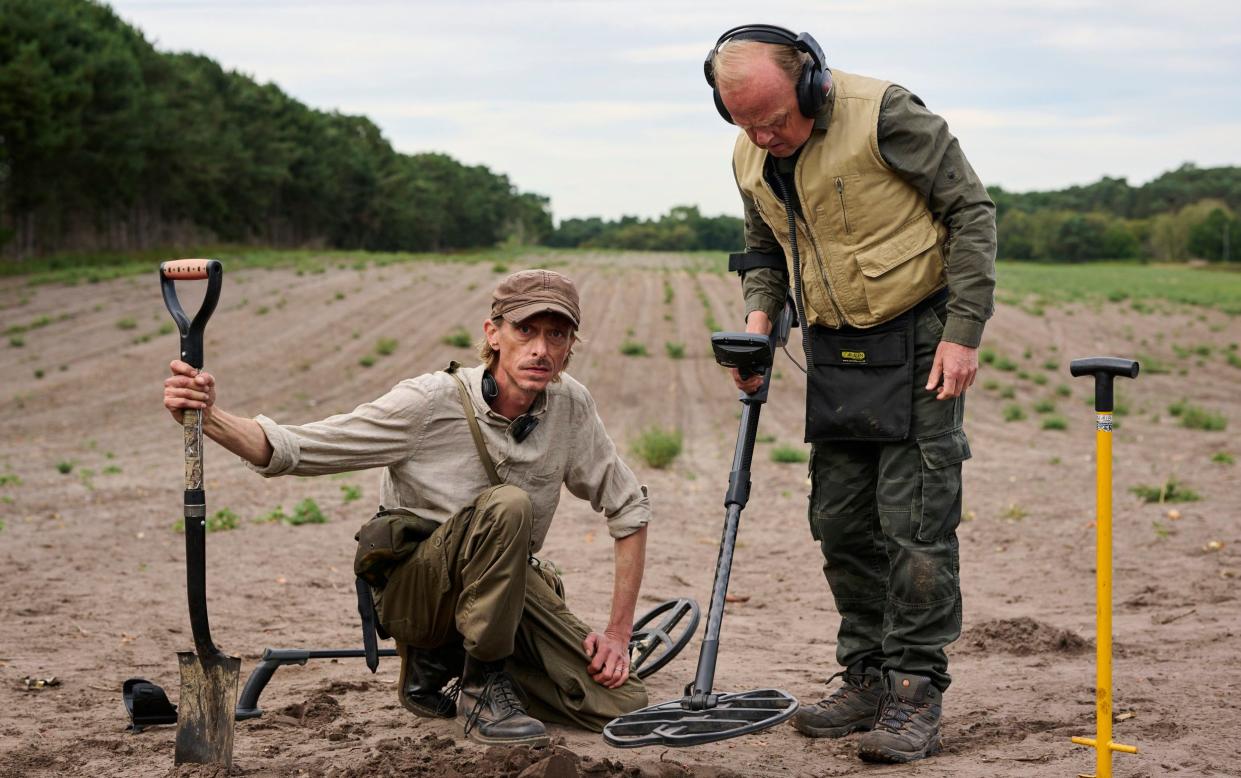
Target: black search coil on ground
point(702, 716)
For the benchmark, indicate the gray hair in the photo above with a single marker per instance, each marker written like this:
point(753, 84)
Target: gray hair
point(729, 57)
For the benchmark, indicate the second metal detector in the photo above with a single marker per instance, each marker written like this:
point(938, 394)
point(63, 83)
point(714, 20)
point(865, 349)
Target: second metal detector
point(702, 715)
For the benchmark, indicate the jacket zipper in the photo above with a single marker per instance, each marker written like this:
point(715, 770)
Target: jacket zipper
point(840, 192)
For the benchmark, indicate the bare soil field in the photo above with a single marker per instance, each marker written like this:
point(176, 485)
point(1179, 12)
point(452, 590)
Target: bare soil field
point(92, 570)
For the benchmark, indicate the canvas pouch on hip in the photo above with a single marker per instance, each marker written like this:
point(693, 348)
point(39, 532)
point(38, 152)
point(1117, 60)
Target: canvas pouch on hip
point(860, 386)
point(391, 535)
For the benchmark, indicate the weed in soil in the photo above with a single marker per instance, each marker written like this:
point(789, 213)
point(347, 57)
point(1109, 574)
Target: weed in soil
point(658, 447)
point(1171, 490)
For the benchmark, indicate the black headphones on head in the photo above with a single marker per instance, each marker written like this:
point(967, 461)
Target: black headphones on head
point(811, 83)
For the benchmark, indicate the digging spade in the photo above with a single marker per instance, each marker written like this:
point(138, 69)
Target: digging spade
point(208, 676)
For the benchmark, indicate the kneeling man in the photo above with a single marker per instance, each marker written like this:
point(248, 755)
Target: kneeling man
point(478, 456)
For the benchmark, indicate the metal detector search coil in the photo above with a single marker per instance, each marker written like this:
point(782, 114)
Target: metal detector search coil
point(702, 715)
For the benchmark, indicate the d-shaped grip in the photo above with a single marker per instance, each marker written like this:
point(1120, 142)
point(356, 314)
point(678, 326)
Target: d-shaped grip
point(186, 269)
point(191, 331)
point(1104, 369)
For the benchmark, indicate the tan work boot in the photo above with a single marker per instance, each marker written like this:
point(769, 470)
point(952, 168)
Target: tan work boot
point(907, 727)
point(851, 708)
point(490, 710)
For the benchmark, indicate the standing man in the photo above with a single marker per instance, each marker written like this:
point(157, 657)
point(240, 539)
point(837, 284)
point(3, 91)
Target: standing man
point(866, 196)
point(474, 459)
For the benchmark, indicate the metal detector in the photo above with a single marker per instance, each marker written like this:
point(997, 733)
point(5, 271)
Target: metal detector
point(703, 716)
point(656, 641)
point(658, 637)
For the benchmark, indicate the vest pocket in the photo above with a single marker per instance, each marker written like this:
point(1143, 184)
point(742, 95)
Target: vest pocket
point(902, 269)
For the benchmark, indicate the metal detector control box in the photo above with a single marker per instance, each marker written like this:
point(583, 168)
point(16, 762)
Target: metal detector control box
point(748, 352)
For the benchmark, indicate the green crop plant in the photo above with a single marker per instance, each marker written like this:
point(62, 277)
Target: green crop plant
point(1045, 406)
point(1013, 413)
point(367, 360)
point(458, 338)
point(349, 492)
point(385, 346)
point(632, 348)
point(64, 467)
point(787, 454)
point(658, 447)
point(1056, 423)
point(1170, 490)
point(306, 512)
point(1223, 458)
point(1005, 364)
point(675, 350)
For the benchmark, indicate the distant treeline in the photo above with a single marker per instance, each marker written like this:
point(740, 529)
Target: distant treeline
point(682, 229)
point(1187, 213)
point(106, 143)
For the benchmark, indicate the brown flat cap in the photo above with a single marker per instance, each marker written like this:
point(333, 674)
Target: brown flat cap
point(528, 293)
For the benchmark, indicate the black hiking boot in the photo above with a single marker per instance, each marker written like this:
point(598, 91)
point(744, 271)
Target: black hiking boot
point(490, 710)
point(424, 674)
point(851, 708)
point(907, 727)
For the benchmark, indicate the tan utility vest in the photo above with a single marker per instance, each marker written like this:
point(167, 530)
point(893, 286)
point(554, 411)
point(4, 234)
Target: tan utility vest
point(869, 247)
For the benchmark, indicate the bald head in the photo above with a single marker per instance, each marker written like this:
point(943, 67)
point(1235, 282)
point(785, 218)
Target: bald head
point(758, 89)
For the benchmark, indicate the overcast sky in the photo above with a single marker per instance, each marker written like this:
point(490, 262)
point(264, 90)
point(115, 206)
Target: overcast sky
point(602, 105)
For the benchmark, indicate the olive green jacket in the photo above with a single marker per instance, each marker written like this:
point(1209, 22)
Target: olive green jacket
point(917, 145)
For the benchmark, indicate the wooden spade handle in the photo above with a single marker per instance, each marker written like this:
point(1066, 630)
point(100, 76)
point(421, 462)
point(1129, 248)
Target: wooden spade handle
point(185, 269)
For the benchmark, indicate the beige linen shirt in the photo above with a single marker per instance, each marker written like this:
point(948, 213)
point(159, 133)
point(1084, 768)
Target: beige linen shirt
point(418, 433)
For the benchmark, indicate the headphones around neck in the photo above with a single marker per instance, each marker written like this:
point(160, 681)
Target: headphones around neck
point(810, 86)
point(523, 425)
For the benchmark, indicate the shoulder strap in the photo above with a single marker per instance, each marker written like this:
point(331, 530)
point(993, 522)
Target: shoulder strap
point(468, 406)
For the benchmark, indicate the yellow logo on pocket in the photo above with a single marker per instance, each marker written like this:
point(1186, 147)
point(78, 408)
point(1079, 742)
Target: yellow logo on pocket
point(853, 356)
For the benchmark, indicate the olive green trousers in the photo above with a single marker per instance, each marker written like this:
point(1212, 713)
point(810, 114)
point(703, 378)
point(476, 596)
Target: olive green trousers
point(886, 516)
point(474, 581)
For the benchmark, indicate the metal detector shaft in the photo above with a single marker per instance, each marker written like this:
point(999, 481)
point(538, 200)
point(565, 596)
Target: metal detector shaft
point(700, 695)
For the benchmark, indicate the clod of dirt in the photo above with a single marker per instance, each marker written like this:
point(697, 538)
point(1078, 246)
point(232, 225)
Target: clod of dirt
point(1021, 636)
point(316, 711)
point(555, 765)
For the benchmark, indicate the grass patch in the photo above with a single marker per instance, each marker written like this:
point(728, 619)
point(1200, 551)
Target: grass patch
point(385, 346)
point(126, 324)
point(1152, 365)
point(64, 467)
point(10, 479)
point(1014, 512)
point(1210, 287)
point(669, 293)
point(658, 447)
point(1051, 364)
point(632, 348)
point(367, 360)
point(349, 492)
point(1055, 423)
point(1008, 392)
point(675, 350)
point(221, 521)
point(1223, 458)
point(787, 454)
point(458, 338)
point(1171, 490)
point(1064, 390)
point(1005, 364)
point(987, 356)
point(1045, 406)
point(991, 384)
point(17, 341)
point(1013, 412)
point(1196, 418)
point(499, 267)
point(1233, 359)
